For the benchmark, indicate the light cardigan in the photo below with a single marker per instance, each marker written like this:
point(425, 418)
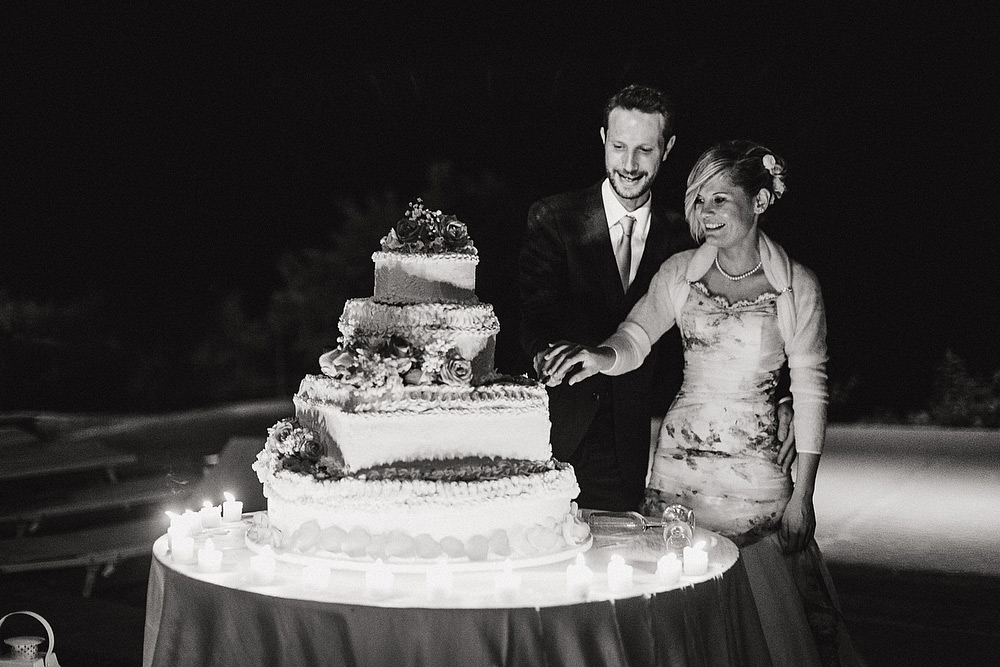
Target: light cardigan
point(801, 322)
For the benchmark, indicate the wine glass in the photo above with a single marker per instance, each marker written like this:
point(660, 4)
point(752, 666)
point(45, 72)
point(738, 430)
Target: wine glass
point(678, 528)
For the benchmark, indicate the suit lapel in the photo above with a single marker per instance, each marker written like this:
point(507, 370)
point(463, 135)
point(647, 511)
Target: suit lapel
point(597, 241)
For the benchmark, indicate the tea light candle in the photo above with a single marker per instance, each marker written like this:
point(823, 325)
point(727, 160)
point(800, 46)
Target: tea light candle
point(379, 580)
point(619, 574)
point(316, 576)
point(668, 569)
point(507, 583)
point(209, 558)
point(263, 565)
point(232, 509)
point(695, 559)
point(211, 516)
point(578, 578)
point(440, 580)
point(182, 548)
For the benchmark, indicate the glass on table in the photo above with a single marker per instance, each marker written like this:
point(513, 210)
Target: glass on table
point(678, 527)
point(618, 523)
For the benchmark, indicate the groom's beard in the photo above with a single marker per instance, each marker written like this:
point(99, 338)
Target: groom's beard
point(630, 190)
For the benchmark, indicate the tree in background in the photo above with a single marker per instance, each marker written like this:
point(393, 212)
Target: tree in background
point(959, 399)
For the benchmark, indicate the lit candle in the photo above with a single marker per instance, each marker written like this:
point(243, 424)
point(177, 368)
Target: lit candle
point(578, 578)
point(182, 548)
point(209, 558)
point(378, 580)
point(695, 559)
point(668, 569)
point(507, 583)
point(193, 521)
point(619, 574)
point(232, 509)
point(184, 523)
point(440, 580)
point(263, 565)
point(211, 515)
point(316, 576)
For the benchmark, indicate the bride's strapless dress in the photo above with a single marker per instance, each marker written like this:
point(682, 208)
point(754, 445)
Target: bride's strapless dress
point(716, 454)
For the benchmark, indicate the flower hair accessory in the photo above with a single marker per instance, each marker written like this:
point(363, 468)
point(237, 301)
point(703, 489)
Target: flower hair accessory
point(777, 174)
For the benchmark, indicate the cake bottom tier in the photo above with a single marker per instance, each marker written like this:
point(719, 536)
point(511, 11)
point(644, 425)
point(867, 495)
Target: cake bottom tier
point(518, 517)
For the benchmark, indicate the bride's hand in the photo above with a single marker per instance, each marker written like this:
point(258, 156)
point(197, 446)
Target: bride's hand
point(798, 524)
point(573, 362)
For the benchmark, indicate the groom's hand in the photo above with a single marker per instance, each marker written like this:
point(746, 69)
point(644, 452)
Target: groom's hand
point(786, 436)
point(572, 362)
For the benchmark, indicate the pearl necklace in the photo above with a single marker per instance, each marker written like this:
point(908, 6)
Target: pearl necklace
point(742, 275)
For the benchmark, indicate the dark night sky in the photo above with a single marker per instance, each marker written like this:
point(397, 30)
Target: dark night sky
point(155, 154)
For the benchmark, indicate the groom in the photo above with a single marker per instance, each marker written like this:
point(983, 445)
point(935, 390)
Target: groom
point(586, 258)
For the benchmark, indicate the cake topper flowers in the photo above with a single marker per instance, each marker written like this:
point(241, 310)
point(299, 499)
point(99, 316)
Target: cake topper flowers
point(430, 232)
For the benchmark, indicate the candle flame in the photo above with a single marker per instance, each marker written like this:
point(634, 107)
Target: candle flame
point(229, 497)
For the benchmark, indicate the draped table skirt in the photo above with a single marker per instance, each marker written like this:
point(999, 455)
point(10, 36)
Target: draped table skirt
point(220, 619)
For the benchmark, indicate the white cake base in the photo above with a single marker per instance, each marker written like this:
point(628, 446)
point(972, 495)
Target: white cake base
point(341, 561)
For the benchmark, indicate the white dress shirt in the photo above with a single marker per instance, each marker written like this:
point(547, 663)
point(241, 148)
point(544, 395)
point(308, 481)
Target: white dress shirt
point(614, 211)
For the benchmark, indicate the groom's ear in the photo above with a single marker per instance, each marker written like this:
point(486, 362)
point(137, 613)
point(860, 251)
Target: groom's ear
point(604, 136)
point(666, 149)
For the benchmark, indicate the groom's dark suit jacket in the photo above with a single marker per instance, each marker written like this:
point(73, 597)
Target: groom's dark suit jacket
point(571, 290)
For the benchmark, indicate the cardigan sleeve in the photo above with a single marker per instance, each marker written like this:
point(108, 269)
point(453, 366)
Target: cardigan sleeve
point(807, 357)
point(652, 316)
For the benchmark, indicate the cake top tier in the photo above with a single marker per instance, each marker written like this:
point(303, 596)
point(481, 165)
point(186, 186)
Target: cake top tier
point(425, 232)
point(427, 257)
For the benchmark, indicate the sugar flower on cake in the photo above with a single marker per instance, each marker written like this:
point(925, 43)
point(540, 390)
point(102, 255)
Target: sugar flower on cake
point(429, 232)
point(289, 438)
point(456, 369)
point(364, 368)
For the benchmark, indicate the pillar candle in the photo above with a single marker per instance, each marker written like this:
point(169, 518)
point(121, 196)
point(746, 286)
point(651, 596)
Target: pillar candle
point(695, 559)
point(182, 548)
point(578, 578)
point(668, 569)
point(193, 521)
point(232, 509)
point(619, 574)
point(211, 515)
point(209, 558)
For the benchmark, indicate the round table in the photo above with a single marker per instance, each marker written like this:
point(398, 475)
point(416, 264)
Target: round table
point(232, 617)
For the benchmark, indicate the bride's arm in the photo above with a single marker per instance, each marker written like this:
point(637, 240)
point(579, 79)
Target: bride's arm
point(798, 524)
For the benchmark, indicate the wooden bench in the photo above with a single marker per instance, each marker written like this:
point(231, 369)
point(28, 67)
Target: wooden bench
point(96, 549)
point(50, 458)
point(131, 493)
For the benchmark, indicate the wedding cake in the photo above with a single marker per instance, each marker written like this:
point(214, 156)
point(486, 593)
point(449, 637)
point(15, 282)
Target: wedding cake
point(409, 445)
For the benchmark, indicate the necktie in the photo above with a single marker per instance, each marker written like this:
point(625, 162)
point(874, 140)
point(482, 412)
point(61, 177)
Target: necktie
point(623, 251)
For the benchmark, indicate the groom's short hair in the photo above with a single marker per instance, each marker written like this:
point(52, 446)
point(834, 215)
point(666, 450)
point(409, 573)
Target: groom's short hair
point(647, 100)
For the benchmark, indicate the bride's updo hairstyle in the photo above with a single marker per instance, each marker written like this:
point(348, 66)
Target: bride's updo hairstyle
point(749, 165)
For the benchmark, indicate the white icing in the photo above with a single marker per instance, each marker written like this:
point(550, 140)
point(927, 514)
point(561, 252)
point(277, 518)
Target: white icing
point(322, 389)
point(364, 439)
point(425, 278)
point(457, 509)
point(471, 329)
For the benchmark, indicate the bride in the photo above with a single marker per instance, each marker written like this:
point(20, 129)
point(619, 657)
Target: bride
point(743, 308)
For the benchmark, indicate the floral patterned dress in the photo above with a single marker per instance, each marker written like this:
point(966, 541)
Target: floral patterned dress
point(718, 444)
point(716, 454)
